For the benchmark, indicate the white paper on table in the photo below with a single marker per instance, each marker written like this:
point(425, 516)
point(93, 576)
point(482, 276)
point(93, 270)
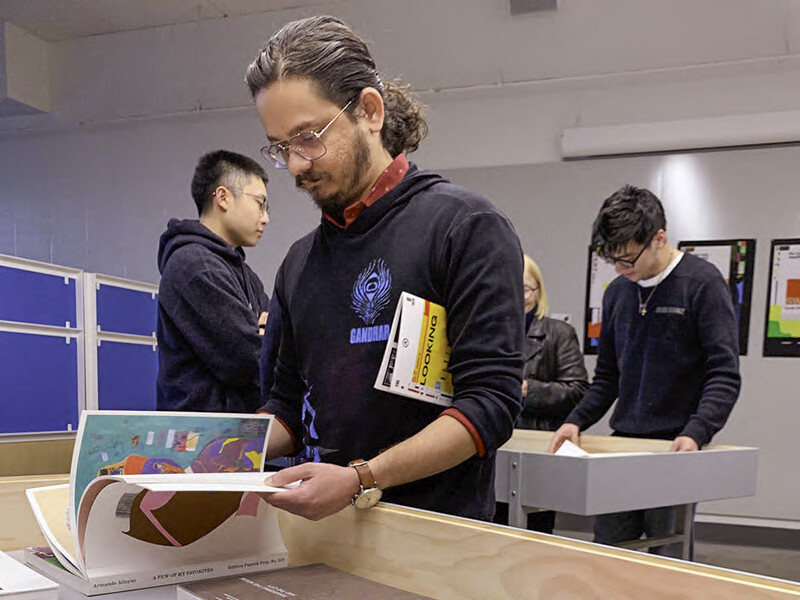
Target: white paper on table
point(570, 449)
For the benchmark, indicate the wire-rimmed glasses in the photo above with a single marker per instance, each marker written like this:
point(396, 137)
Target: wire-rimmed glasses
point(263, 204)
point(307, 145)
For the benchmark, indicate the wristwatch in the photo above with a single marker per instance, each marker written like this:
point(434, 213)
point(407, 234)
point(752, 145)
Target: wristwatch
point(369, 493)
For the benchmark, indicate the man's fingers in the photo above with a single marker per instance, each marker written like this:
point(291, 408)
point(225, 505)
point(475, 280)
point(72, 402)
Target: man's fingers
point(683, 443)
point(288, 475)
point(563, 433)
point(555, 444)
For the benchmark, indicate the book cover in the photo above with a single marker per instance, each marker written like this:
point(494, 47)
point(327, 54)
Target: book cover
point(158, 497)
point(310, 582)
point(19, 582)
point(417, 353)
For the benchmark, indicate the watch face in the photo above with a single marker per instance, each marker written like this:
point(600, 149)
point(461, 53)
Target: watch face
point(368, 498)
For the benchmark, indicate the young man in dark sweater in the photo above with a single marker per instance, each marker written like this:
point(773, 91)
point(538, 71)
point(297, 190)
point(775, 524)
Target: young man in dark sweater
point(210, 302)
point(387, 227)
point(668, 349)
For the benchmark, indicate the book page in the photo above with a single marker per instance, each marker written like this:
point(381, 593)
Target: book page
point(207, 482)
point(50, 507)
point(383, 381)
point(570, 449)
point(133, 530)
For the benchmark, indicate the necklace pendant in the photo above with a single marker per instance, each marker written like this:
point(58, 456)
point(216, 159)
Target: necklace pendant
point(643, 309)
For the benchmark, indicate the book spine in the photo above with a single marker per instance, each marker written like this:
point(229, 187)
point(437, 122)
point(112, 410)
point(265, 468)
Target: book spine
point(104, 584)
point(56, 573)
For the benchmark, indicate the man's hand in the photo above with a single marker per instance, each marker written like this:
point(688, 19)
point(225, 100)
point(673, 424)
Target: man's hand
point(262, 322)
point(524, 389)
point(568, 431)
point(325, 489)
point(683, 443)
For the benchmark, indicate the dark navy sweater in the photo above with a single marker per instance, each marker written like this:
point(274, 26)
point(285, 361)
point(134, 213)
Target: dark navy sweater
point(675, 369)
point(338, 289)
point(208, 306)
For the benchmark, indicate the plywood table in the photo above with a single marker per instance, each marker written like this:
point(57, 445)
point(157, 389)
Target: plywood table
point(622, 474)
point(449, 558)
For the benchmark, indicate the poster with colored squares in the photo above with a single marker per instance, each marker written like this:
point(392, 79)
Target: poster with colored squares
point(147, 443)
point(735, 260)
point(782, 330)
point(599, 275)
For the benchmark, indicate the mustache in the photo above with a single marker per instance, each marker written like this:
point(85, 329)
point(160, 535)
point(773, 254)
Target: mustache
point(309, 177)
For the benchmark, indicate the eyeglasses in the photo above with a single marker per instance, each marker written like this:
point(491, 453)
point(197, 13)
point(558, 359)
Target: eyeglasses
point(629, 263)
point(528, 290)
point(262, 200)
point(307, 145)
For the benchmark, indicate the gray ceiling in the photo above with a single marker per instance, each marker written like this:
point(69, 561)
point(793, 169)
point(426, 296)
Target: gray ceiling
point(56, 20)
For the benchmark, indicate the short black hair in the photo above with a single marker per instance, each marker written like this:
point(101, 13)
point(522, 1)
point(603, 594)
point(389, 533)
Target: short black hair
point(630, 214)
point(222, 167)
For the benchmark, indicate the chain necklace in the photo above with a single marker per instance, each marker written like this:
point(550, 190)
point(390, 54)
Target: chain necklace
point(643, 305)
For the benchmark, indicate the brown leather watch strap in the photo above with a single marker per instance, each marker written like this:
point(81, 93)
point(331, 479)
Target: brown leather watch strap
point(364, 473)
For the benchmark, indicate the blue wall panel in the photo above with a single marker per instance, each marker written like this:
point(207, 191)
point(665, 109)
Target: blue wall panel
point(38, 383)
point(31, 297)
point(126, 376)
point(120, 310)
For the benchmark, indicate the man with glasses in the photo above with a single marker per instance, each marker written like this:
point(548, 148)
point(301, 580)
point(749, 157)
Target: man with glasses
point(343, 132)
point(668, 349)
point(210, 302)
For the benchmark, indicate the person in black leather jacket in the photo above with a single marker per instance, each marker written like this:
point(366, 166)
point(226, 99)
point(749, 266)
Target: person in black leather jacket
point(554, 376)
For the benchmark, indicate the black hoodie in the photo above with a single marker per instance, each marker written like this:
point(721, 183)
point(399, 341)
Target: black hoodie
point(337, 290)
point(208, 306)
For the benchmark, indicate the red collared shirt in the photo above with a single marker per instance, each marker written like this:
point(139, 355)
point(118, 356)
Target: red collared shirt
point(391, 176)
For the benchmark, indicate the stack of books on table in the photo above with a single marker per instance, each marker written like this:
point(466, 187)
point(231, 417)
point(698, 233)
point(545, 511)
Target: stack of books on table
point(18, 582)
point(157, 498)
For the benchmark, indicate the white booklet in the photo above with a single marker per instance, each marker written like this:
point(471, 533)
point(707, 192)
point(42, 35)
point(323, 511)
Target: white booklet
point(157, 498)
point(417, 353)
point(570, 449)
point(22, 583)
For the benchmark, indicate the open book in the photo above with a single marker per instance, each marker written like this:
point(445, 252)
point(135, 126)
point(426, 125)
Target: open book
point(157, 498)
point(417, 354)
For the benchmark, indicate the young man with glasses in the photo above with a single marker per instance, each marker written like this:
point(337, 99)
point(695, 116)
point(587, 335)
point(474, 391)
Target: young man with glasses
point(210, 302)
point(387, 227)
point(668, 349)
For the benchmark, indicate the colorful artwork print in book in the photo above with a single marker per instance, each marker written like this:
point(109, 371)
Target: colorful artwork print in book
point(164, 443)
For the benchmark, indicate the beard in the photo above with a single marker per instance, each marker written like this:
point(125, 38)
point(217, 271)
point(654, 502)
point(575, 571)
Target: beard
point(351, 187)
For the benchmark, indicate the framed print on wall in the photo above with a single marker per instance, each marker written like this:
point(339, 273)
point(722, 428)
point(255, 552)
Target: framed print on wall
point(735, 259)
point(782, 327)
point(599, 274)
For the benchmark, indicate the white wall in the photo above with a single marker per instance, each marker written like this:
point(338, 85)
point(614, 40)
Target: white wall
point(500, 88)
point(92, 184)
